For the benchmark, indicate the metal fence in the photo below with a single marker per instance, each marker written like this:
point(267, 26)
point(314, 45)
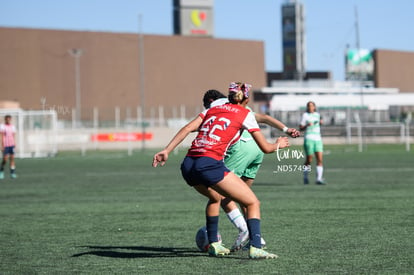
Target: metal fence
point(42, 133)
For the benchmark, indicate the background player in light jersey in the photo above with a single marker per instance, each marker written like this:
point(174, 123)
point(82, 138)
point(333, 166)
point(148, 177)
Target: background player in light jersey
point(204, 169)
point(243, 158)
point(8, 132)
point(310, 123)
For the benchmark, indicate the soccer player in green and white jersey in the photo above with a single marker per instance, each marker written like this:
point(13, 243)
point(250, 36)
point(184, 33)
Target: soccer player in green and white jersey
point(310, 123)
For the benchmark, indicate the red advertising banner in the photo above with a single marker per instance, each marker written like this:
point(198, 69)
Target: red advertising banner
point(115, 137)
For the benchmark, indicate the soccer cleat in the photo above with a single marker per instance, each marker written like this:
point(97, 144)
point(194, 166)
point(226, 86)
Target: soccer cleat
point(217, 249)
point(1, 175)
point(321, 182)
point(262, 243)
point(259, 253)
point(241, 241)
point(13, 175)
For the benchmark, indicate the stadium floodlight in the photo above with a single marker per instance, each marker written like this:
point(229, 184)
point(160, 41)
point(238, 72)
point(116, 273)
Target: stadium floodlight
point(77, 53)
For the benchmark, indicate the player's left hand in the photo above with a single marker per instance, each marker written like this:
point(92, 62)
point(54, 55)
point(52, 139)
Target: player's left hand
point(282, 142)
point(293, 132)
point(160, 158)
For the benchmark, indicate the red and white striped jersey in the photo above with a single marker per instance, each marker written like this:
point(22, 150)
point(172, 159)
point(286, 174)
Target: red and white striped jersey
point(7, 132)
point(221, 127)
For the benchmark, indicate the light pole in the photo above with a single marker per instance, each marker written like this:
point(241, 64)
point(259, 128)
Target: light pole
point(141, 78)
point(77, 53)
point(360, 77)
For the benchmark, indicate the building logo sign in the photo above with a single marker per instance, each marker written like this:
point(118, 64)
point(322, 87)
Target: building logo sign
point(359, 64)
point(193, 17)
point(198, 17)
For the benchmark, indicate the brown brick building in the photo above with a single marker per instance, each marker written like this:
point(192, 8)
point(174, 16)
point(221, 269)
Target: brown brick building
point(37, 70)
point(394, 69)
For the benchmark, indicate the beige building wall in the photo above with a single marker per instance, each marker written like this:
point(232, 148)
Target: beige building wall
point(37, 70)
point(394, 69)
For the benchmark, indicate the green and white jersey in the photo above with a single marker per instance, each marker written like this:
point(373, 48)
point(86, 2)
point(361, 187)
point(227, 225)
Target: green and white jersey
point(244, 157)
point(312, 132)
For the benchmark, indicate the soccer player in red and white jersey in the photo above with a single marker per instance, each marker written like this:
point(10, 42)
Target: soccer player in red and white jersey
point(244, 159)
point(8, 132)
point(203, 167)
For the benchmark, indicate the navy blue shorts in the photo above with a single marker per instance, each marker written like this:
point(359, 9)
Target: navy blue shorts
point(203, 170)
point(8, 150)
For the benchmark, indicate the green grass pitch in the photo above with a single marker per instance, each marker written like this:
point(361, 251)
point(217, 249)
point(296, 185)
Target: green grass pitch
point(110, 213)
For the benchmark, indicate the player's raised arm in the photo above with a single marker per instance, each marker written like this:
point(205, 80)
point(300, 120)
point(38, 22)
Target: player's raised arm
point(272, 122)
point(266, 147)
point(162, 156)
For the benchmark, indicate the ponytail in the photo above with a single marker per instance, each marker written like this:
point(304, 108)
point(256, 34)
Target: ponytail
point(238, 92)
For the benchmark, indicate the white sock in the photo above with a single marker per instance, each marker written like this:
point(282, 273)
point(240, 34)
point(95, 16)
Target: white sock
point(237, 219)
point(319, 173)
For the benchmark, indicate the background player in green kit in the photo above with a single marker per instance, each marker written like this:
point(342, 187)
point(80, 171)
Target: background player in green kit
point(310, 123)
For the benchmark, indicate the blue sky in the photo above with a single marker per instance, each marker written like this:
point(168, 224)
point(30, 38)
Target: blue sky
point(330, 24)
